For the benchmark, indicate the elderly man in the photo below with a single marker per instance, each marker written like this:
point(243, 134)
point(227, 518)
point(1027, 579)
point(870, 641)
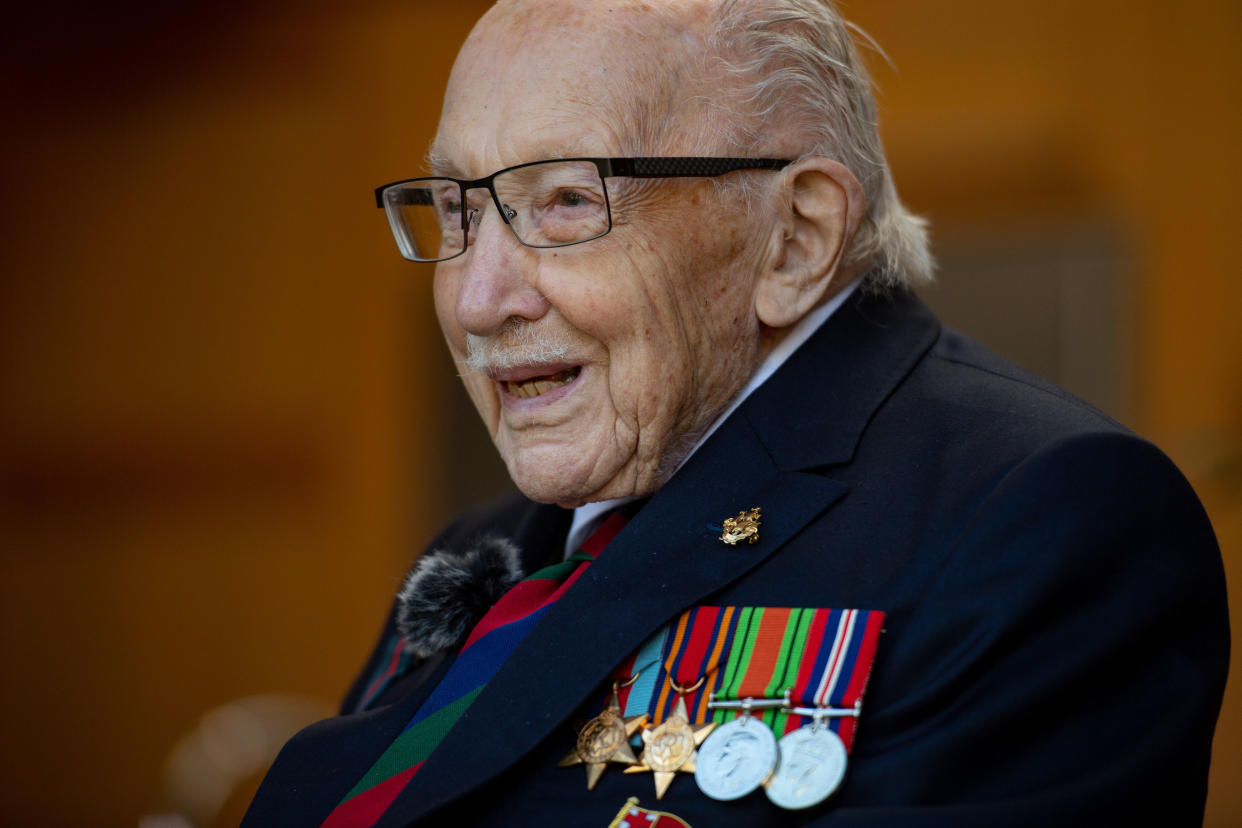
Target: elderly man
point(789, 552)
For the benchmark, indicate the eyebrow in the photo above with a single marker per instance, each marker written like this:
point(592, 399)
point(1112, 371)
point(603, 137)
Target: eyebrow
point(438, 163)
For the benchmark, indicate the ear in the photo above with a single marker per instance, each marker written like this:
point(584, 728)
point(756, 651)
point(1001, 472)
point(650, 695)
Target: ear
point(823, 204)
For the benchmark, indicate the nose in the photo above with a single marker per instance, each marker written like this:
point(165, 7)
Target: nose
point(497, 278)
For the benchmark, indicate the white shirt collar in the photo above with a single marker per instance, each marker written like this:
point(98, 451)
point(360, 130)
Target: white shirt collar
point(587, 515)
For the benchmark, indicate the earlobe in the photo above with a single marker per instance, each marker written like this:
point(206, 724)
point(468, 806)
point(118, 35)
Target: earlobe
point(821, 211)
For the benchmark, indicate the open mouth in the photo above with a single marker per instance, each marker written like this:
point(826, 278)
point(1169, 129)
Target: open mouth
point(535, 386)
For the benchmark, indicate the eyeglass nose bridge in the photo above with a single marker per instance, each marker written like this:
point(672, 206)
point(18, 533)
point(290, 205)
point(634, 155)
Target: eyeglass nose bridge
point(473, 216)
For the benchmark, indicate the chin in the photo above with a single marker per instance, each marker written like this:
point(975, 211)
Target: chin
point(542, 487)
point(534, 481)
point(545, 489)
point(553, 495)
point(544, 480)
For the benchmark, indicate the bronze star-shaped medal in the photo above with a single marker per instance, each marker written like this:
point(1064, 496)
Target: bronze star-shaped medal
point(604, 739)
point(671, 747)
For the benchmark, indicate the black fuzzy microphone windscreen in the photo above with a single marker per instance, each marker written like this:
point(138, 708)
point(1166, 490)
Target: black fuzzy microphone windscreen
point(446, 593)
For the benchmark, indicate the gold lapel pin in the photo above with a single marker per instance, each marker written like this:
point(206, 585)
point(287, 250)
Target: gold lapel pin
point(743, 527)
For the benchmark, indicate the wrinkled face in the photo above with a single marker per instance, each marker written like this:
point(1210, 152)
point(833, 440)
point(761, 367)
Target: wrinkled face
point(595, 365)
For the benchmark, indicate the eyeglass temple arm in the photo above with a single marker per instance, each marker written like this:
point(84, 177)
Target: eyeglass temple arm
point(685, 167)
point(673, 167)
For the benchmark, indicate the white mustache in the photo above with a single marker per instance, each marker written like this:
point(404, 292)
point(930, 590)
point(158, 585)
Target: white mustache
point(517, 343)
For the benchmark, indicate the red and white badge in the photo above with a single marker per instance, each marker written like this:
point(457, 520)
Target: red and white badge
point(632, 816)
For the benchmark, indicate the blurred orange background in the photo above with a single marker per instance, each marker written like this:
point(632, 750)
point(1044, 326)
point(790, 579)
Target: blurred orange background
point(227, 423)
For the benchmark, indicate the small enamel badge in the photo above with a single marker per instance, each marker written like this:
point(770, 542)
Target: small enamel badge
point(633, 816)
point(744, 527)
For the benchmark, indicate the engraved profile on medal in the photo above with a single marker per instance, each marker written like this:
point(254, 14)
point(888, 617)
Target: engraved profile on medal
point(669, 745)
point(604, 739)
point(812, 766)
point(601, 737)
point(736, 759)
point(673, 745)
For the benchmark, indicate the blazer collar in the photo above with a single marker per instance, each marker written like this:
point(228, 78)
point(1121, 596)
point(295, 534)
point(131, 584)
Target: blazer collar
point(812, 413)
point(669, 557)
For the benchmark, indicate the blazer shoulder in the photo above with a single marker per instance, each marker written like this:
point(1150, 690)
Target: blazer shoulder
point(963, 399)
point(977, 372)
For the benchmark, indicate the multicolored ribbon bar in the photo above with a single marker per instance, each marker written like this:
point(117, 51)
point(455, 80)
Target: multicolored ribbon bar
point(683, 652)
point(821, 656)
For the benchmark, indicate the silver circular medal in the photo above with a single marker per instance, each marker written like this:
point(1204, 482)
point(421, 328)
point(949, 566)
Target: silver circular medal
point(736, 759)
point(812, 766)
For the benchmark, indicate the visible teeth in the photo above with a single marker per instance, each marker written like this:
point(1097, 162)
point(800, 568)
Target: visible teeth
point(526, 389)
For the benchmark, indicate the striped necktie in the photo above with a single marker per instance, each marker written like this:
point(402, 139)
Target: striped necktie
point(488, 646)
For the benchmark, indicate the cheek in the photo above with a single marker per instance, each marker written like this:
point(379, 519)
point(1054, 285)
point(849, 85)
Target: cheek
point(445, 288)
point(481, 393)
point(660, 324)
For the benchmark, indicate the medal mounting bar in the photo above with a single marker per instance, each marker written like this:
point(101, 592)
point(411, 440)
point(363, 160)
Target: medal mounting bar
point(823, 712)
point(746, 704)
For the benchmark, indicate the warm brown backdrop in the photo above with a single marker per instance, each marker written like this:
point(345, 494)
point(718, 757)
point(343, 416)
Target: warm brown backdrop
point(223, 409)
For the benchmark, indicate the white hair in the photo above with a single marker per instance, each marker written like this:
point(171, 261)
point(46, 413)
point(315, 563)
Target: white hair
point(518, 342)
point(799, 72)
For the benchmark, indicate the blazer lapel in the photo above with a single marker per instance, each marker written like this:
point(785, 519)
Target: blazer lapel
point(670, 556)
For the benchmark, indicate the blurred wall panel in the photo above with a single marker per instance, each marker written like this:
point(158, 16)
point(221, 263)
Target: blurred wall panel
point(1113, 125)
point(223, 401)
point(215, 451)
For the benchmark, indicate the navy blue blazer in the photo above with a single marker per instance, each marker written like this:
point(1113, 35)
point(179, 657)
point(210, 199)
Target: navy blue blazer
point(1056, 641)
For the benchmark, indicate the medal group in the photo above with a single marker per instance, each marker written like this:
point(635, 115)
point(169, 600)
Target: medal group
point(774, 705)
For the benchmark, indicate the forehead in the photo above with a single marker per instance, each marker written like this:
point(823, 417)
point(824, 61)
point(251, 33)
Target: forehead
point(555, 79)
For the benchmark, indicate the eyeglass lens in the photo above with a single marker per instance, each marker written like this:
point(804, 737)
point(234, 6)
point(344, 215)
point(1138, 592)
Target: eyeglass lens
point(548, 204)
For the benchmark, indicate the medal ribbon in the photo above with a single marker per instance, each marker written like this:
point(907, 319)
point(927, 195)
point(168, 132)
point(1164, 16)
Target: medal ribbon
point(698, 641)
point(840, 651)
point(490, 643)
point(635, 696)
point(823, 656)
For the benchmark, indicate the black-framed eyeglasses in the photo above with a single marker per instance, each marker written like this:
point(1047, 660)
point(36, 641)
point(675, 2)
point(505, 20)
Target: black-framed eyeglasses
point(552, 203)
